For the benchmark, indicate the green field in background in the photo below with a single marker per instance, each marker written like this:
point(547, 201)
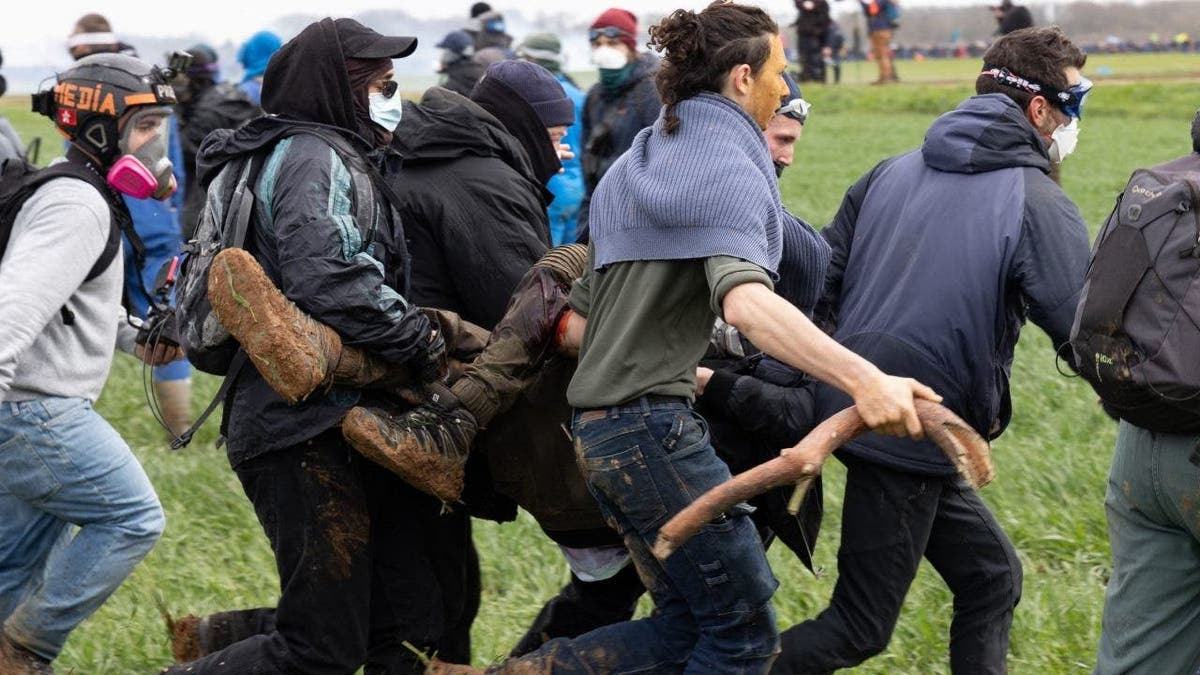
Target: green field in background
point(1051, 463)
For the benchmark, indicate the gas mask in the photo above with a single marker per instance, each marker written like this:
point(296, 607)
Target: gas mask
point(1063, 141)
point(146, 171)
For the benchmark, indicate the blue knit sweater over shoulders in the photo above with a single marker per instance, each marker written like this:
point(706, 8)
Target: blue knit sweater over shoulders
point(708, 189)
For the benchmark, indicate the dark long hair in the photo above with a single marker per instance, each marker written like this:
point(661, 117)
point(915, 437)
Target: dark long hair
point(700, 49)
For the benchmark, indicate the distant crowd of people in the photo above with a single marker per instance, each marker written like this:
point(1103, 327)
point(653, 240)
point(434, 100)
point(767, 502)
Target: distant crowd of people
point(408, 312)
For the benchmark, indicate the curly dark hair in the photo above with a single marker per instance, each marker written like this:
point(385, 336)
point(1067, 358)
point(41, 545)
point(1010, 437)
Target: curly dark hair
point(1040, 54)
point(700, 49)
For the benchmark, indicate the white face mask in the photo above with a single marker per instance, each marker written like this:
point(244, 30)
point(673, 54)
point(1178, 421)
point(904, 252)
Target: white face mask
point(385, 111)
point(1063, 141)
point(609, 58)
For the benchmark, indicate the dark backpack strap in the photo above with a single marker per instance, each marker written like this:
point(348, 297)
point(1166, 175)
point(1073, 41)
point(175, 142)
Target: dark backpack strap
point(235, 367)
point(241, 205)
point(1124, 258)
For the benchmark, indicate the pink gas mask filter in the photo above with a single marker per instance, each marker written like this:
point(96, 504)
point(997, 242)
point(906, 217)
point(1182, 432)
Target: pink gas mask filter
point(147, 172)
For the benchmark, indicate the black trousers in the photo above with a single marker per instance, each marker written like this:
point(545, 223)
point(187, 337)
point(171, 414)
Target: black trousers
point(351, 544)
point(890, 520)
point(583, 606)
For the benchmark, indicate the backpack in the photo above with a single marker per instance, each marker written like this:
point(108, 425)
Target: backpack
point(891, 9)
point(19, 180)
point(224, 223)
point(1136, 333)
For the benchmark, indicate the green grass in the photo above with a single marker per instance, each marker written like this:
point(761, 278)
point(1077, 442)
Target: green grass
point(1051, 463)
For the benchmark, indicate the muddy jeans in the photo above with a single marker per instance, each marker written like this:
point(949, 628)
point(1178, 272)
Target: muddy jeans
point(644, 462)
point(344, 550)
point(890, 520)
point(1151, 618)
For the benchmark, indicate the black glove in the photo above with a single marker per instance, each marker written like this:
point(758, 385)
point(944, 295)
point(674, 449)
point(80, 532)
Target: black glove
point(431, 365)
point(161, 326)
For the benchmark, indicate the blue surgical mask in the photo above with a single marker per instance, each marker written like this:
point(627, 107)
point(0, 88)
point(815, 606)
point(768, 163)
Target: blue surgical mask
point(385, 111)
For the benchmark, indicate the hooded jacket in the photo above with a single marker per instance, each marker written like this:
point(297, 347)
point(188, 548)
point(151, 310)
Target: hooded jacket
point(346, 274)
point(940, 255)
point(474, 214)
point(216, 106)
point(611, 119)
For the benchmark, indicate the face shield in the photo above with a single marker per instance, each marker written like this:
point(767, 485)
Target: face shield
point(143, 169)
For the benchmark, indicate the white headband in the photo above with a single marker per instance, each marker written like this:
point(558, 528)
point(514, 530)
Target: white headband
point(82, 39)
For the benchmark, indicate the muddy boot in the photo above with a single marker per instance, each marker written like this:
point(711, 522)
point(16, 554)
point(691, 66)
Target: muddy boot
point(187, 637)
point(426, 446)
point(294, 353)
point(16, 660)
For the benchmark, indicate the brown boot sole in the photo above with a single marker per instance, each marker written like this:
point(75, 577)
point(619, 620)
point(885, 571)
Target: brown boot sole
point(292, 352)
point(429, 472)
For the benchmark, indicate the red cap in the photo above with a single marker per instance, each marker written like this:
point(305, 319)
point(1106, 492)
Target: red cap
point(621, 19)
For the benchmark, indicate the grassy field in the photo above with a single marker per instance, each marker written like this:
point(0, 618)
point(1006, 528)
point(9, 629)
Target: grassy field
point(1051, 463)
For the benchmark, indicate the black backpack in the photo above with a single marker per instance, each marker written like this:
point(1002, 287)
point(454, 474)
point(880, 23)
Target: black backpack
point(224, 223)
point(1136, 334)
point(19, 180)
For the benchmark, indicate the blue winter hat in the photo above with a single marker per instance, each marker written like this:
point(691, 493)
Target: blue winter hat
point(457, 41)
point(256, 52)
point(538, 87)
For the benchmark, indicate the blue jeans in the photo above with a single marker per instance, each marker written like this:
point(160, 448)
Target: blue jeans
point(61, 464)
point(1151, 620)
point(644, 462)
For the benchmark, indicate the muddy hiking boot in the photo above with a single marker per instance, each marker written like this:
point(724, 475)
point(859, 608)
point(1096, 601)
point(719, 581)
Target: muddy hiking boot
point(426, 446)
point(293, 352)
point(16, 660)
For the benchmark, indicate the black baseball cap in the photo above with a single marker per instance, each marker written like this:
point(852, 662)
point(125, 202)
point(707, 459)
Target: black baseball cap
point(361, 42)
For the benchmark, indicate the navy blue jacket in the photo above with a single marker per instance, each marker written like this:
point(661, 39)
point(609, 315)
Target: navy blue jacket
point(940, 255)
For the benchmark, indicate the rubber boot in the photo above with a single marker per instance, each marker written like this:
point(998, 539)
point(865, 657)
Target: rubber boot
point(175, 404)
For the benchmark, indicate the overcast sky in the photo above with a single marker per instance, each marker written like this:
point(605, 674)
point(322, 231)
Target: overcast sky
point(35, 33)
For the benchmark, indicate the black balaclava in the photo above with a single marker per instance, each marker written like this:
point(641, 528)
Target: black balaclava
point(307, 80)
point(520, 120)
point(362, 73)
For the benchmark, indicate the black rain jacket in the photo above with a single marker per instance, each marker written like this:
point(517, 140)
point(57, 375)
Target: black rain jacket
point(346, 274)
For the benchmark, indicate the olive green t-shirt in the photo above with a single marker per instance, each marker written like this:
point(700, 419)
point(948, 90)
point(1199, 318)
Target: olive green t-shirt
point(648, 325)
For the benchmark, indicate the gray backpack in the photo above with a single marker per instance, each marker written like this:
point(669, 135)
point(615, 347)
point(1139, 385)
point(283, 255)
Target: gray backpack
point(1136, 334)
point(224, 223)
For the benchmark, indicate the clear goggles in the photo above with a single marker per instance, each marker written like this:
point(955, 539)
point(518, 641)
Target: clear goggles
point(796, 108)
point(610, 32)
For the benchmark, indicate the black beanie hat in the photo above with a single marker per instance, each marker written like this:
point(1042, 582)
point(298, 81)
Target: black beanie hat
point(480, 8)
point(539, 88)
